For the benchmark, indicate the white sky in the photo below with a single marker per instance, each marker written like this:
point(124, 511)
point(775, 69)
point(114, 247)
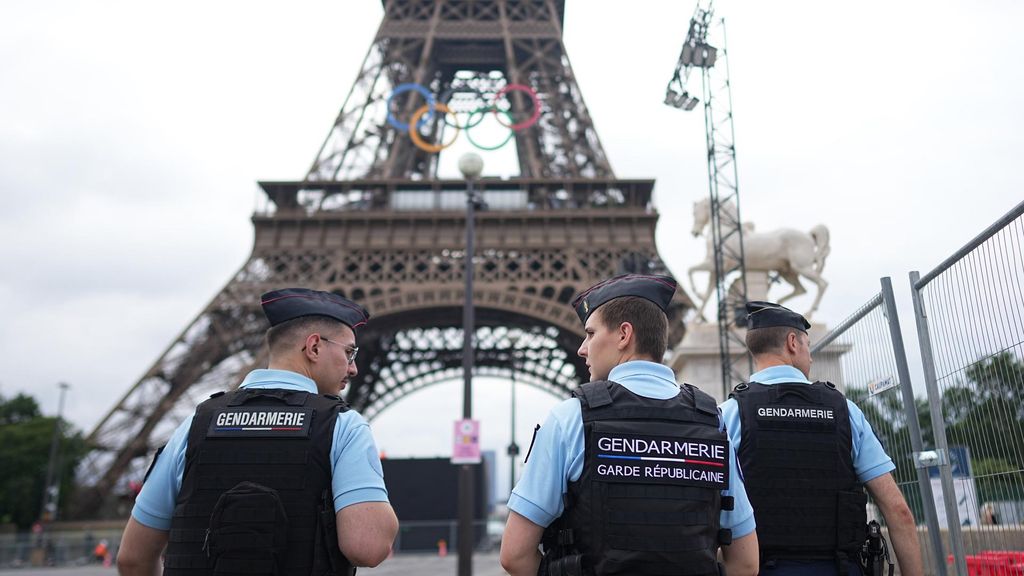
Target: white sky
point(132, 135)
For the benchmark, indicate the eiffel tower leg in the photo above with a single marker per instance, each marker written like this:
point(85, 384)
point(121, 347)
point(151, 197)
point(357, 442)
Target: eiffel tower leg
point(222, 342)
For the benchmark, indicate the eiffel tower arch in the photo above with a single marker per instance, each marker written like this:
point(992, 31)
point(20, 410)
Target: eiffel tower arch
point(372, 221)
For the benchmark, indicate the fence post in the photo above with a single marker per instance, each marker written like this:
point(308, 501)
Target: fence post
point(938, 427)
point(910, 410)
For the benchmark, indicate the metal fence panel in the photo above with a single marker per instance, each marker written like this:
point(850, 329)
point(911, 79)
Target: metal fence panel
point(864, 355)
point(970, 312)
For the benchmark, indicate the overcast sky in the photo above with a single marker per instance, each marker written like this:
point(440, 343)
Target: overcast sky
point(132, 135)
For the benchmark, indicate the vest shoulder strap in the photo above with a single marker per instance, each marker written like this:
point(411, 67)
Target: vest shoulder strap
point(594, 394)
point(702, 401)
point(740, 389)
point(827, 386)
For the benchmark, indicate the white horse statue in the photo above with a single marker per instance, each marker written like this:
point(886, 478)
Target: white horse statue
point(791, 253)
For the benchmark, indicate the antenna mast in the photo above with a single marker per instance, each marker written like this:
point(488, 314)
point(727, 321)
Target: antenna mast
point(723, 182)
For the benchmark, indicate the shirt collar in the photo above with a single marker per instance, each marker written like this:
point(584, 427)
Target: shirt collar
point(783, 374)
point(634, 368)
point(285, 379)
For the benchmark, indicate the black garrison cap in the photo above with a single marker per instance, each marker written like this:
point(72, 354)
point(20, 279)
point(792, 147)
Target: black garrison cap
point(291, 303)
point(762, 314)
point(657, 289)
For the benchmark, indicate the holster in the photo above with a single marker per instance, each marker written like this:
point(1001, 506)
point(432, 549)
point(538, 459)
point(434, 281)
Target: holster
point(569, 565)
point(874, 554)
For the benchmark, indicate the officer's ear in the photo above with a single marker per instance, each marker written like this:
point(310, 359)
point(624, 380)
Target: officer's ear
point(626, 335)
point(792, 342)
point(311, 346)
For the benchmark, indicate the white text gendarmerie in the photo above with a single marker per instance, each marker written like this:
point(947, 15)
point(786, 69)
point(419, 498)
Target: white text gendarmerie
point(676, 448)
point(261, 418)
point(804, 413)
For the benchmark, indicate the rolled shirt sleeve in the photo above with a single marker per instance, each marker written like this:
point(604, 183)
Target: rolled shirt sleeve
point(556, 459)
point(869, 458)
point(154, 505)
point(357, 475)
point(741, 518)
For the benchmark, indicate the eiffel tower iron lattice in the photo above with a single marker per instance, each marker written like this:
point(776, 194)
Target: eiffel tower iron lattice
point(372, 221)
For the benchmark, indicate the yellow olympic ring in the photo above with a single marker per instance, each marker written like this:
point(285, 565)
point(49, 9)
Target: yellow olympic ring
point(414, 134)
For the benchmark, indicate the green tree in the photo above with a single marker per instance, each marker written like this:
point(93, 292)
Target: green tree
point(986, 414)
point(25, 437)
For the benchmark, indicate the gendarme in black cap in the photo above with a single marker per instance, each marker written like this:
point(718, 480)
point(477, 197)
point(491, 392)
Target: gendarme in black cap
point(762, 314)
point(291, 303)
point(657, 289)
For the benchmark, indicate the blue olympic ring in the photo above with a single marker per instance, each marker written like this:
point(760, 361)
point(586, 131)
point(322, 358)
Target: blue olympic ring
point(410, 87)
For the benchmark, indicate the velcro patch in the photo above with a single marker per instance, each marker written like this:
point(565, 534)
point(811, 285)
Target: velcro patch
point(660, 460)
point(261, 421)
point(796, 413)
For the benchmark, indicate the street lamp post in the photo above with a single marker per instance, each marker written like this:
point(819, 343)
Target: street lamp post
point(51, 490)
point(471, 165)
point(513, 448)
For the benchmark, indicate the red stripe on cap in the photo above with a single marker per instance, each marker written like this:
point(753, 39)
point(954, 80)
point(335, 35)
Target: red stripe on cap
point(357, 309)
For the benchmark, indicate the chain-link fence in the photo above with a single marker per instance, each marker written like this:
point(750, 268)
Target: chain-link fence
point(969, 312)
point(864, 356)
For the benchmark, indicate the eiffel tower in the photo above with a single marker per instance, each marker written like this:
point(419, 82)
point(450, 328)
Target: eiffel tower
point(372, 221)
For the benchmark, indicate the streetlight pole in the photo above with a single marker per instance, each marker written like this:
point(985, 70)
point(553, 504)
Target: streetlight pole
point(513, 448)
point(51, 490)
point(471, 165)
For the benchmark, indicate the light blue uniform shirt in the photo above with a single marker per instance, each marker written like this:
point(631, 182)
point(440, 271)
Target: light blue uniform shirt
point(869, 458)
point(557, 455)
point(356, 475)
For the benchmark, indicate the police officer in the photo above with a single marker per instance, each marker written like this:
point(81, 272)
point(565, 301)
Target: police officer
point(633, 474)
point(806, 453)
point(277, 477)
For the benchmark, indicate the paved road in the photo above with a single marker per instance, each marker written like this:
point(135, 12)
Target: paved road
point(400, 565)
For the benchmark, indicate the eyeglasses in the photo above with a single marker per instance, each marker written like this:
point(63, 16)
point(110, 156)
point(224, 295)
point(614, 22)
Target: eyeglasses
point(350, 351)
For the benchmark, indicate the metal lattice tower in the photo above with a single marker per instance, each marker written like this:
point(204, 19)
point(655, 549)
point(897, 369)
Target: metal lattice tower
point(723, 179)
point(371, 221)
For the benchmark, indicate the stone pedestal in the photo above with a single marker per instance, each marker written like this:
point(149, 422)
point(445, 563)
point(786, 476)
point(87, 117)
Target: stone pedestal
point(757, 285)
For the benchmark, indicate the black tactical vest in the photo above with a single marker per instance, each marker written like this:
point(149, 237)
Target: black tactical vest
point(649, 497)
point(795, 451)
point(256, 490)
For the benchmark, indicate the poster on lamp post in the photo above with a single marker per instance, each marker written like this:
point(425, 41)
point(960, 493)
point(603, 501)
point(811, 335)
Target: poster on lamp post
point(466, 445)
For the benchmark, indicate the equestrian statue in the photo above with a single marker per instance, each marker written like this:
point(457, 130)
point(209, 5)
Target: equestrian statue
point(785, 253)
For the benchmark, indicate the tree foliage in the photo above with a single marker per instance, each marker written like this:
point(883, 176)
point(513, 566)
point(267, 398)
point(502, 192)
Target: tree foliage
point(986, 414)
point(984, 411)
point(25, 437)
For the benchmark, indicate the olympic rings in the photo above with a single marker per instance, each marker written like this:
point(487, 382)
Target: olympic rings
point(533, 96)
point(414, 134)
point(401, 88)
point(424, 114)
point(483, 112)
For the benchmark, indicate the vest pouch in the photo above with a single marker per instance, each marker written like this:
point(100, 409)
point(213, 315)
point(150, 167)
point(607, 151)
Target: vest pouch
point(248, 532)
point(571, 565)
point(851, 520)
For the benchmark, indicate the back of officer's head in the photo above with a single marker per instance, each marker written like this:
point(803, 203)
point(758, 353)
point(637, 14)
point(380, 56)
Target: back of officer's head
point(769, 326)
point(769, 340)
point(650, 326)
point(290, 336)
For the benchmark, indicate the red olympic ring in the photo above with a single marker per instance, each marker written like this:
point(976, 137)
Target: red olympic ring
point(529, 92)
